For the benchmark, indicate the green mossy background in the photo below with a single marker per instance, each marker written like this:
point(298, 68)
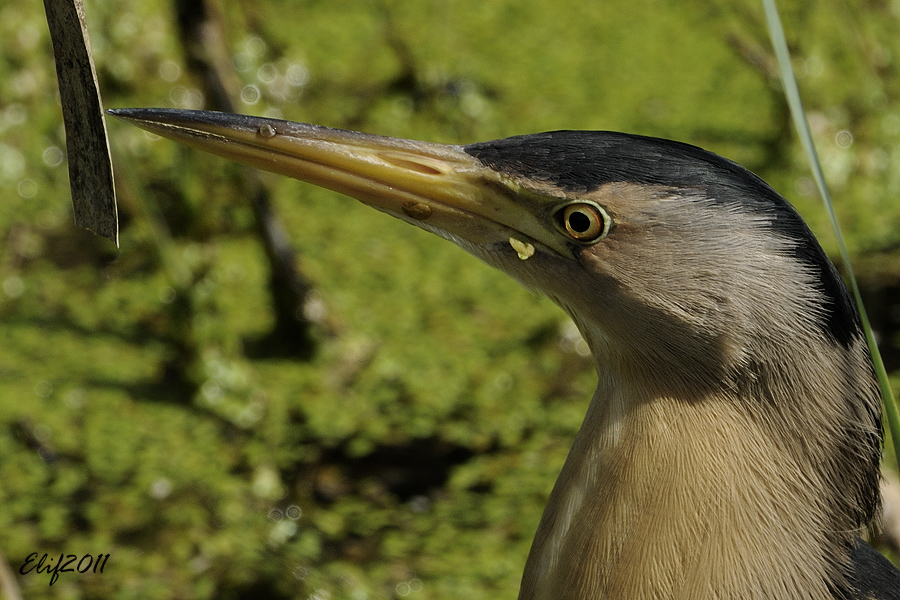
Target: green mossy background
point(141, 414)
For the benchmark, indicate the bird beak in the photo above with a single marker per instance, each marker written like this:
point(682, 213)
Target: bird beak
point(438, 187)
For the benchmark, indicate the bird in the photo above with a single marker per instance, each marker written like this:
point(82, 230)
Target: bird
point(731, 449)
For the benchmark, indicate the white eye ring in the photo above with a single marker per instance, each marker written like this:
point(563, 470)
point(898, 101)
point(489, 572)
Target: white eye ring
point(584, 222)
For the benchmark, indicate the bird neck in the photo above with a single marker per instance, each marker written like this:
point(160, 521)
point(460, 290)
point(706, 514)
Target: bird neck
point(672, 499)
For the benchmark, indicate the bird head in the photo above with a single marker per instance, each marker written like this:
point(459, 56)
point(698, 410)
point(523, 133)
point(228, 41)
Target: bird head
point(673, 262)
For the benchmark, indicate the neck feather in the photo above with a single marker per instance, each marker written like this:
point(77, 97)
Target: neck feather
point(677, 500)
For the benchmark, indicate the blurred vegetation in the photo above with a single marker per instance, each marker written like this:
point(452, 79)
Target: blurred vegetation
point(143, 413)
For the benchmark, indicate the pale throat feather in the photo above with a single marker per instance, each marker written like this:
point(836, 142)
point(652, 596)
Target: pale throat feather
point(678, 500)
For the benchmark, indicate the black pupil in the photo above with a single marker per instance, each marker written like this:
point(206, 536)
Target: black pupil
point(579, 222)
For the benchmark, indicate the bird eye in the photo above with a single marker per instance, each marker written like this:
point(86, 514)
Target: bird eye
point(584, 222)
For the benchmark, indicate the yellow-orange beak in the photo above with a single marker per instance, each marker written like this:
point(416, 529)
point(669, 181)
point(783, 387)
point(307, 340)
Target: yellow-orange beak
point(438, 187)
